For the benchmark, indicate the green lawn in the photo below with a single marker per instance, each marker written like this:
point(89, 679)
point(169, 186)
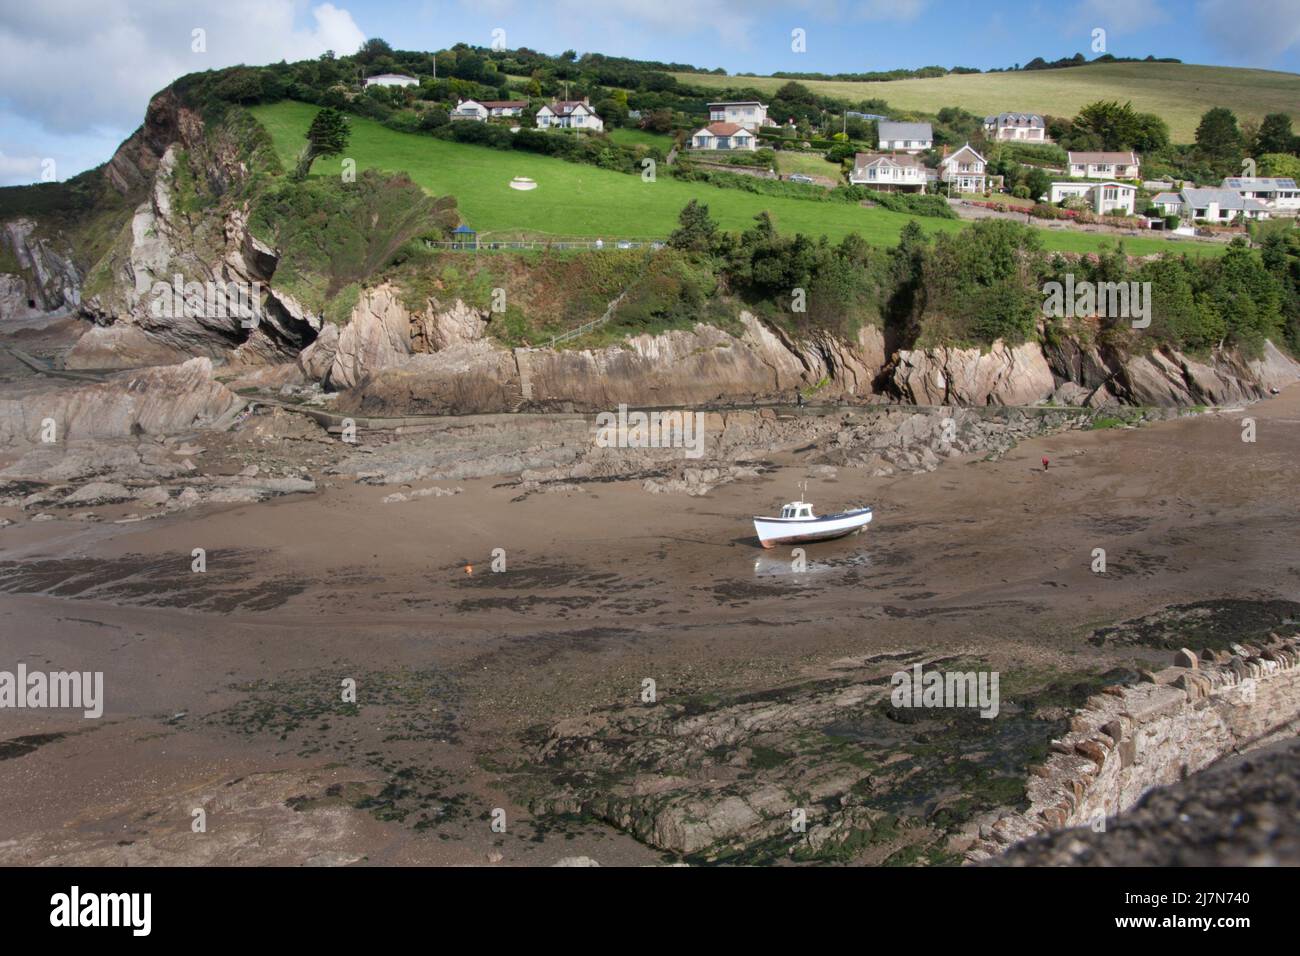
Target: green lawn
point(811, 164)
point(1178, 92)
point(639, 137)
point(579, 200)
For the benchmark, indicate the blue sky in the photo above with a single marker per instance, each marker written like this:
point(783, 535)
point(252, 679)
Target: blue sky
point(76, 75)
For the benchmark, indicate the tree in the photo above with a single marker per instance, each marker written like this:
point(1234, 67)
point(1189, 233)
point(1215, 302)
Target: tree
point(1275, 135)
point(327, 136)
point(372, 49)
point(1279, 164)
point(1218, 140)
point(1113, 126)
point(695, 231)
point(1039, 183)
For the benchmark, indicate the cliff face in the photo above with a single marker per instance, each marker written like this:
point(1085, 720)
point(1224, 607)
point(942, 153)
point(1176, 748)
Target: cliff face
point(188, 188)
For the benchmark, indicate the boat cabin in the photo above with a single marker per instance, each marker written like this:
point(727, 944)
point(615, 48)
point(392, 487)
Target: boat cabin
point(797, 509)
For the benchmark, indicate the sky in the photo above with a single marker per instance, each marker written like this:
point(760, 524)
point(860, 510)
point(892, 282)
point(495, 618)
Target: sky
point(76, 75)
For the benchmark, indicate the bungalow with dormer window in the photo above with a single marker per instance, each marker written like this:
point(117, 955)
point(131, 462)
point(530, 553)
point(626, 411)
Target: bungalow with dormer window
point(723, 136)
point(898, 172)
point(506, 107)
point(569, 114)
point(1215, 206)
point(1104, 165)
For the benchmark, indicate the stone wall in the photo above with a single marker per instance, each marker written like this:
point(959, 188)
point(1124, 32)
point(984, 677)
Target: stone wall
point(1176, 722)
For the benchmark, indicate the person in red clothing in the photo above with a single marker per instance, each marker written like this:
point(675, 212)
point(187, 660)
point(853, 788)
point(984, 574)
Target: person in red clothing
point(1045, 463)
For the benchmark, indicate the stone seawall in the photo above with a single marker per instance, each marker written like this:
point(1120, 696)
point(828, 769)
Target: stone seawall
point(1177, 721)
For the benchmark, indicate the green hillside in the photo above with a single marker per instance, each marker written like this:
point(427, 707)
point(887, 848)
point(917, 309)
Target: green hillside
point(1178, 92)
point(579, 200)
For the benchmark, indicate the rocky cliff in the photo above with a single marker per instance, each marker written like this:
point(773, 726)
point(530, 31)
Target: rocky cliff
point(190, 182)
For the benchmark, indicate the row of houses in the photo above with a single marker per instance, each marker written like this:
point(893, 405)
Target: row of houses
point(1247, 197)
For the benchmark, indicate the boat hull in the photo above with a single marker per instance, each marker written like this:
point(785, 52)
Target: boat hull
point(774, 531)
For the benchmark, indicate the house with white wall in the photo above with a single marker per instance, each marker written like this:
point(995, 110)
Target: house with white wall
point(505, 107)
point(569, 114)
point(392, 79)
point(904, 137)
point(750, 114)
point(470, 110)
point(1016, 127)
point(964, 170)
point(1101, 198)
point(1280, 195)
point(1215, 206)
point(893, 172)
point(723, 136)
point(1105, 165)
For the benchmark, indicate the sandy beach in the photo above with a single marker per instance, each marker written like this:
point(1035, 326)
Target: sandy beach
point(222, 686)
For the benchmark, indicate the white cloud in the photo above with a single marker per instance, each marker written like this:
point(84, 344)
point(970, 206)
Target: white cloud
point(1259, 32)
point(83, 65)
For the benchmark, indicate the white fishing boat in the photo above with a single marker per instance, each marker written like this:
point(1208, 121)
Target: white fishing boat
point(798, 524)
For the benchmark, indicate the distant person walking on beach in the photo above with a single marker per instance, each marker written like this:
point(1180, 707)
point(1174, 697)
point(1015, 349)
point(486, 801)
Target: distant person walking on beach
point(1045, 463)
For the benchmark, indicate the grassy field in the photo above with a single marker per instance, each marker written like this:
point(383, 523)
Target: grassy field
point(579, 200)
point(639, 137)
point(811, 164)
point(1178, 92)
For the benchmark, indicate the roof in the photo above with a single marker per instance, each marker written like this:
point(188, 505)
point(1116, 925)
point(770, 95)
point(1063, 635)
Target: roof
point(725, 129)
point(391, 76)
point(890, 130)
point(1126, 158)
point(1167, 199)
point(865, 116)
point(1225, 198)
point(566, 107)
point(738, 103)
point(862, 160)
point(1014, 119)
point(502, 104)
point(1257, 182)
point(965, 148)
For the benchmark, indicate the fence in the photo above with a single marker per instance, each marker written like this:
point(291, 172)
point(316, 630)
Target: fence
point(608, 245)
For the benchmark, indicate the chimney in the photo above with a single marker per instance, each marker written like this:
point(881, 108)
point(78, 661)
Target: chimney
point(586, 101)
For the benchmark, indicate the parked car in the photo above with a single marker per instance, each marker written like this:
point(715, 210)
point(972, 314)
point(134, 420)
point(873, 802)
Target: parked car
point(624, 244)
point(801, 178)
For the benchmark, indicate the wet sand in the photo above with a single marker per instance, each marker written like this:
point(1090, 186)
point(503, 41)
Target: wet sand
point(222, 687)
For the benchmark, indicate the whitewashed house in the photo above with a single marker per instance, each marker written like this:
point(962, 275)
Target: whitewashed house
point(1105, 165)
point(470, 110)
point(1101, 198)
point(392, 79)
point(897, 172)
point(1016, 127)
point(1215, 206)
point(750, 114)
point(723, 136)
point(505, 107)
point(1281, 196)
point(905, 137)
point(569, 114)
point(964, 170)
